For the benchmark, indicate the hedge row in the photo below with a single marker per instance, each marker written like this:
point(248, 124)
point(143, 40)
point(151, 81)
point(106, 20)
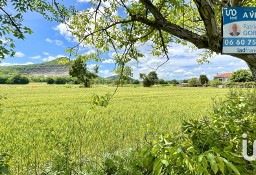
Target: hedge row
point(17, 79)
point(240, 85)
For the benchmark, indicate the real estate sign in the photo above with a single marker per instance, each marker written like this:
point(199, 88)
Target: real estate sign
point(239, 30)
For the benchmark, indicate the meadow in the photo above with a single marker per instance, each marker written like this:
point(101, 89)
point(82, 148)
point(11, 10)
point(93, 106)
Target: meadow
point(44, 126)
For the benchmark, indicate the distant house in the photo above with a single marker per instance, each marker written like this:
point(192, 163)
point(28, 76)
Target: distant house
point(223, 77)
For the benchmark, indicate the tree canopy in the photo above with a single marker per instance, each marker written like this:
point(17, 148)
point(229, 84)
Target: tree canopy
point(11, 20)
point(241, 75)
point(79, 69)
point(123, 25)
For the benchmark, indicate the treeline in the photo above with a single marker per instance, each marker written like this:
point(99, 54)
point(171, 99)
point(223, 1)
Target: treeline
point(16, 79)
point(23, 79)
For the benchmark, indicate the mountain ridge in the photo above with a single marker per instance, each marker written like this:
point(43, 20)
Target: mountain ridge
point(56, 67)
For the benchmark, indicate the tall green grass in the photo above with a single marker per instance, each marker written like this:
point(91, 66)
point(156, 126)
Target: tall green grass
point(47, 124)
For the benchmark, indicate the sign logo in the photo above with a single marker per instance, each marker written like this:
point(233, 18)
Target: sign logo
point(245, 154)
point(231, 12)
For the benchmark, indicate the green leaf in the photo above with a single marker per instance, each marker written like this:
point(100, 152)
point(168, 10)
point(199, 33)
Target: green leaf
point(213, 163)
point(200, 158)
point(221, 165)
point(205, 163)
point(231, 166)
point(165, 162)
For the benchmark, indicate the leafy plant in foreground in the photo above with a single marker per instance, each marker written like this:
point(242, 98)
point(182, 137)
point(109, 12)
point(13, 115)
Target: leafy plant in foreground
point(205, 146)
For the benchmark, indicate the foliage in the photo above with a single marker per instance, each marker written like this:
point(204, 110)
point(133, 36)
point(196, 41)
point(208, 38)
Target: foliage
point(215, 83)
point(12, 18)
point(174, 82)
point(150, 79)
point(79, 70)
point(124, 72)
point(50, 80)
point(185, 81)
point(135, 82)
point(240, 84)
point(241, 75)
point(3, 79)
point(193, 82)
point(161, 81)
point(204, 146)
point(4, 163)
point(60, 80)
point(203, 80)
point(18, 79)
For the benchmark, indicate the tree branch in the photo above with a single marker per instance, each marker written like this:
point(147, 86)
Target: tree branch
point(154, 10)
point(206, 11)
point(173, 29)
point(12, 21)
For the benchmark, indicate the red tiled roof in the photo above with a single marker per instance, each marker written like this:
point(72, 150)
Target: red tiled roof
point(223, 75)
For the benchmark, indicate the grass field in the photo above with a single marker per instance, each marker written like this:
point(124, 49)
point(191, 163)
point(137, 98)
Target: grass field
point(47, 124)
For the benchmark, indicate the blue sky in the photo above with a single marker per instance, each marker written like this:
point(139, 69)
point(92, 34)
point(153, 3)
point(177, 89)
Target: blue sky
point(50, 39)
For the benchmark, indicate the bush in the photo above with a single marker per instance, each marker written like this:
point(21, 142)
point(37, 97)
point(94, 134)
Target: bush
point(147, 82)
point(18, 79)
point(3, 79)
point(193, 82)
point(205, 146)
point(242, 75)
point(161, 81)
point(60, 80)
point(50, 80)
point(135, 82)
point(215, 83)
point(38, 79)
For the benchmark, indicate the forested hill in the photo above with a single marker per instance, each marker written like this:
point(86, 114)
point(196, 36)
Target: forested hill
point(57, 67)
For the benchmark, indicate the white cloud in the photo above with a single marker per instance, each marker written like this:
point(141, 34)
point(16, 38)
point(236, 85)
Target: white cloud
point(35, 57)
point(106, 73)
point(63, 29)
point(82, 1)
point(180, 71)
point(104, 3)
point(183, 64)
point(12, 64)
point(49, 58)
point(108, 61)
point(46, 53)
point(58, 42)
point(48, 40)
point(19, 54)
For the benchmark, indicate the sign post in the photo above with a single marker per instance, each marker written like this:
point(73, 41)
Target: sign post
point(239, 30)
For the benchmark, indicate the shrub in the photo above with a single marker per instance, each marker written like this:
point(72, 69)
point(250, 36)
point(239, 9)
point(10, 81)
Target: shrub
point(161, 81)
point(205, 146)
point(147, 82)
point(3, 79)
point(135, 82)
point(18, 79)
point(242, 75)
point(174, 82)
point(215, 83)
point(50, 80)
point(193, 82)
point(60, 80)
point(38, 79)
